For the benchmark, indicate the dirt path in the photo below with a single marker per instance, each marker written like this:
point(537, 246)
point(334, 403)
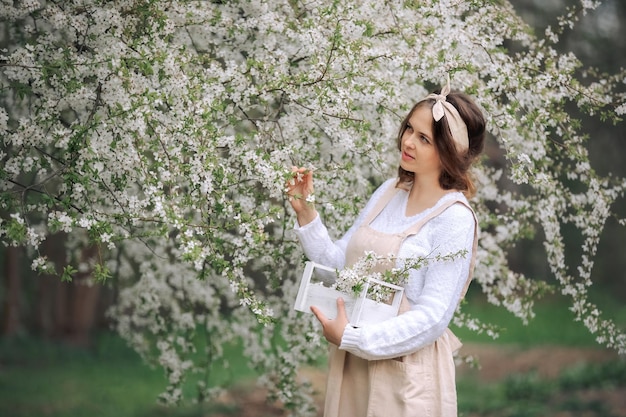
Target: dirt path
point(496, 362)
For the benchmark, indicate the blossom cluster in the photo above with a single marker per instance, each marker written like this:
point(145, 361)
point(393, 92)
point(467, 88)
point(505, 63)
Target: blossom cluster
point(356, 278)
point(160, 132)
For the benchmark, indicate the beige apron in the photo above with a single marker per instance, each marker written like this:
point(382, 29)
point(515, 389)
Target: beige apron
point(421, 384)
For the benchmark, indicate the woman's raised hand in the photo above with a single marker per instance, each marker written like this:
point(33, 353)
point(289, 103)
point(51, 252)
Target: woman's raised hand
point(299, 188)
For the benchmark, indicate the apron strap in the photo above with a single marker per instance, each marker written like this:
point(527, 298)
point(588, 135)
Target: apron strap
point(389, 193)
point(414, 229)
point(473, 260)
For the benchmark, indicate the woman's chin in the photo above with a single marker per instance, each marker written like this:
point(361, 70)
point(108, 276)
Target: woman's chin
point(407, 166)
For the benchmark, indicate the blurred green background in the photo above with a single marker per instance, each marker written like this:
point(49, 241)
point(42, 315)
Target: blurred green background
point(40, 377)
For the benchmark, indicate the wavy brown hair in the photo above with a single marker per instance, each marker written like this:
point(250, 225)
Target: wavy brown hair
point(455, 174)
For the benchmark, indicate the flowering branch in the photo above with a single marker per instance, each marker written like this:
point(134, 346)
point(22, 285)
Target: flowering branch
point(353, 279)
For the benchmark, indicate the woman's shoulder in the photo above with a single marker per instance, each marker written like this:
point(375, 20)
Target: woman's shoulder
point(387, 185)
point(458, 212)
point(459, 208)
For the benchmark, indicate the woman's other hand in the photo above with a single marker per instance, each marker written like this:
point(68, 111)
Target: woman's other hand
point(299, 188)
point(333, 328)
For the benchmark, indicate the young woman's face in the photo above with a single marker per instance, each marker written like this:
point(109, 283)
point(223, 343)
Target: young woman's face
point(418, 150)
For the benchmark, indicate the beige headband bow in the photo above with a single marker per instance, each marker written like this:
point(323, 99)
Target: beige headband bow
point(441, 108)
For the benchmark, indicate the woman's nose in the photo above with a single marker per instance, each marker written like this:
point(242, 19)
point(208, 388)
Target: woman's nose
point(408, 140)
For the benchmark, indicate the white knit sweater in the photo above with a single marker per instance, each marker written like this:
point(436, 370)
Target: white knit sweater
point(433, 292)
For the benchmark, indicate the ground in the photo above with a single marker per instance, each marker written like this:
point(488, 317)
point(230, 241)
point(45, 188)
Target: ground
point(496, 363)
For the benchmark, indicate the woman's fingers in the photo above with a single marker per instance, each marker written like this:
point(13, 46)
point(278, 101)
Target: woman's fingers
point(333, 328)
point(318, 313)
point(300, 185)
point(299, 189)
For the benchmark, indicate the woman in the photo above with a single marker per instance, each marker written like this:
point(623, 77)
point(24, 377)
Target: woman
point(404, 366)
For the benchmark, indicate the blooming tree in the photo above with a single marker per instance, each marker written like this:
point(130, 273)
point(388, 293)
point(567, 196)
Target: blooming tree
point(162, 133)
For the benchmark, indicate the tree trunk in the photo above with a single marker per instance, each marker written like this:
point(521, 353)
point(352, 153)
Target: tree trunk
point(11, 309)
point(68, 310)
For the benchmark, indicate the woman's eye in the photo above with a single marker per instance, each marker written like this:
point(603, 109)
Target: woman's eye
point(408, 128)
point(424, 139)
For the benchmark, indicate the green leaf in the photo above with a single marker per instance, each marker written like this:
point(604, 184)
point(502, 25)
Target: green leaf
point(68, 271)
point(101, 273)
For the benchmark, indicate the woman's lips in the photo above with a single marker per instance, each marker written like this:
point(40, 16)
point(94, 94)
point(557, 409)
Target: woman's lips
point(407, 157)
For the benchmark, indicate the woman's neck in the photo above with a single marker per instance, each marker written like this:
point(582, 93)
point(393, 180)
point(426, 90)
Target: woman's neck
point(423, 195)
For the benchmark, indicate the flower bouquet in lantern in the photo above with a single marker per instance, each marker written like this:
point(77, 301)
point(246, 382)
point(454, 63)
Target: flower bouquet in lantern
point(370, 297)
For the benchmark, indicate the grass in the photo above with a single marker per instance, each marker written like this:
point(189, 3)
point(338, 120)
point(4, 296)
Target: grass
point(40, 378)
point(580, 390)
point(553, 323)
point(43, 379)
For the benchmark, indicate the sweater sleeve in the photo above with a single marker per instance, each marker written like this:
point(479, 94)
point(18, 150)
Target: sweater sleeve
point(433, 308)
point(317, 243)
